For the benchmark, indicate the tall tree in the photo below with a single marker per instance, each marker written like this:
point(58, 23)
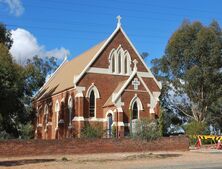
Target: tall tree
point(191, 69)
point(18, 83)
point(11, 84)
point(5, 36)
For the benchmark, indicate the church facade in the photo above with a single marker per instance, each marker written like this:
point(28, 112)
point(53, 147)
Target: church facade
point(108, 84)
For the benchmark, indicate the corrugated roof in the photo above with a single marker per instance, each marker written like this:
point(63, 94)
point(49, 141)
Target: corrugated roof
point(63, 78)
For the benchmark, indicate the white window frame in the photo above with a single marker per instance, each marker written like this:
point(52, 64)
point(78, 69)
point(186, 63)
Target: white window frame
point(96, 93)
point(57, 109)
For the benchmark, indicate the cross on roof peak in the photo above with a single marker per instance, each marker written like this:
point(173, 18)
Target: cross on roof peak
point(118, 20)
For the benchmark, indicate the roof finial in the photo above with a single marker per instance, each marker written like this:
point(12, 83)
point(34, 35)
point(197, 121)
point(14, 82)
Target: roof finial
point(135, 64)
point(118, 20)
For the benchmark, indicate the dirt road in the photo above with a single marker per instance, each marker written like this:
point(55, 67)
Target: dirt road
point(157, 160)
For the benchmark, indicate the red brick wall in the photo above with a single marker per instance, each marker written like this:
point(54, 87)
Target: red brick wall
point(84, 146)
point(151, 84)
point(119, 38)
point(128, 95)
point(50, 134)
point(106, 84)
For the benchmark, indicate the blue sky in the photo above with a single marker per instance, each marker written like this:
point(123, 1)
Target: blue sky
point(78, 25)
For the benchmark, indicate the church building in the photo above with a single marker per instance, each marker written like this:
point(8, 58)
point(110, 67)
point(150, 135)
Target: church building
point(109, 84)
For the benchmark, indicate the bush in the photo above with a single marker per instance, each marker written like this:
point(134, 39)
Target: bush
point(147, 129)
point(114, 131)
point(26, 131)
point(195, 128)
point(4, 135)
point(92, 131)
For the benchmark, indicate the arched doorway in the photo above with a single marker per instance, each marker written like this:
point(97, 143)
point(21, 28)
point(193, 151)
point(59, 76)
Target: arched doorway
point(109, 125)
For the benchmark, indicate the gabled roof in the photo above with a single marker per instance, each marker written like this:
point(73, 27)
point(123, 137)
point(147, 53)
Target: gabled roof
point(105, 44)
point(63, 77)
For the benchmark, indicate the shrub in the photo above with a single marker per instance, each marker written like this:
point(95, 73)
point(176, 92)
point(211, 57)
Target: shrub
point(4, 135)
point(147, 129)
point(26, 131)
point(114, 131)
point(92, 131)
point(195, 128)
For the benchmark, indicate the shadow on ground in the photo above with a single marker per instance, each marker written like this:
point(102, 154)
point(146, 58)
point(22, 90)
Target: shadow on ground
point(133, 157)
point(24, 162)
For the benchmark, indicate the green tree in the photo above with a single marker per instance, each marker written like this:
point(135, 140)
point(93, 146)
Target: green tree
point(5, 36)
point(191, 69)
point(18, 84)
point(11, 84)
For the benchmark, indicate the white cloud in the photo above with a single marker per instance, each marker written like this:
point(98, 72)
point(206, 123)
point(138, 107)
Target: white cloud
point(15, 6)
point(25, 46)
point(58, 53)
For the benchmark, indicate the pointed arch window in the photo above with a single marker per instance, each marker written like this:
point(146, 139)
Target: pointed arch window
point(92, 94)
point(136, 107)
point(120, 61)
point(135, 111)
point(92, 104)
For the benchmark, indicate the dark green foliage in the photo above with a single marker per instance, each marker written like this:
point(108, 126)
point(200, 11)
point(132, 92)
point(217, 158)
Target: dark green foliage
point(5, 36)
point(92, 131)
point(17, 86)
point(26, 131)
point(191, 67)
point(11, 84)
point(195, 128)
point(215, 114)
point(163, 123)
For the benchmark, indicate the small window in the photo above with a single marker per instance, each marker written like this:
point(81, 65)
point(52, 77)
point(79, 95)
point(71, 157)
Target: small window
point(92, 104)
point(135, 111)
